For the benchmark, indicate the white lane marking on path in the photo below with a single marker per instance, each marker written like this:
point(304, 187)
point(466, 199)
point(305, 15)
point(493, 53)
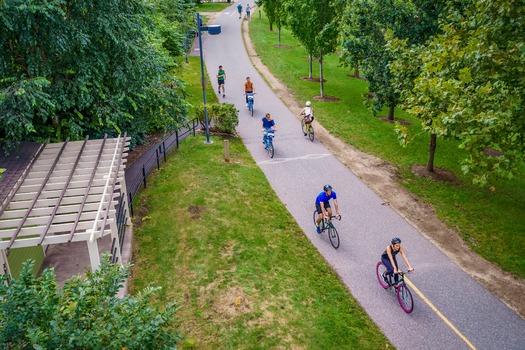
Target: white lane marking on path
point(284, 160)
point(447, 322)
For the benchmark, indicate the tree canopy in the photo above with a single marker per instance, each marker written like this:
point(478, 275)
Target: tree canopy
point(71, 68)
point(471, 85)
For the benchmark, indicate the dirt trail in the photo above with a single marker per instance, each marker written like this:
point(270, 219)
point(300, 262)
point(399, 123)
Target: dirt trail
point(382, 178)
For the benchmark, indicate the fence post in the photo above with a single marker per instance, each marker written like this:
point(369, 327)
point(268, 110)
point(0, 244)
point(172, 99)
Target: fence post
point(144, 175)
point(157, 154)
point(164, 146)
point(226, 150)
point(130, 204)
point(177, 137)
point(194, 126)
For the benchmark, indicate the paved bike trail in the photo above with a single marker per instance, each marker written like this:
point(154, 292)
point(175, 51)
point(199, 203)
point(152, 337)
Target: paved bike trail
point(298, 172)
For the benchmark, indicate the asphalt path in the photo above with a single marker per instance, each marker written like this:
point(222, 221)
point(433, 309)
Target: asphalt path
point(298, 172)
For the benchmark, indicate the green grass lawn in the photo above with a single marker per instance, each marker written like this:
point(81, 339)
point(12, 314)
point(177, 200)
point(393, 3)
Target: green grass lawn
point(217, 239)
point(212, 7)
point(492, 221)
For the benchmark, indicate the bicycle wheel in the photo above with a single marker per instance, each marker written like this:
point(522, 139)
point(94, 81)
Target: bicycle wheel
point(251, 110)
point(303, 128)
point(404, 296)
point(380, 270)
point(270, 150)
point(334, 237)
point(316, 215)
point(311, 133)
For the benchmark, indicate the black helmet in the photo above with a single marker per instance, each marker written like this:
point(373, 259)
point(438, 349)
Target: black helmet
point(327, 187)
point(396, 240)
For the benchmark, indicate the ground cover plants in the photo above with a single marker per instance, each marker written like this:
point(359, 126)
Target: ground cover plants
point(490, 218)
point(215, 237)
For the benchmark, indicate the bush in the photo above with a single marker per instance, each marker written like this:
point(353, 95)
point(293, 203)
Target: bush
point(84, 314)
point(225, 116)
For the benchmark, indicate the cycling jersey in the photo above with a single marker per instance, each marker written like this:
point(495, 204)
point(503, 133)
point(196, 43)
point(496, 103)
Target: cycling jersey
point(322, 197)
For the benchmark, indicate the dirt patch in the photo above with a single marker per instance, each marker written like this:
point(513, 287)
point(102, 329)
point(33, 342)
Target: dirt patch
point(392, 121)
point(195, 212)
point(491, 152)
point(383, 179)
point(438, 174)
point(139, 150)
point(326, 98)
point(316, 80)
point(370, 95)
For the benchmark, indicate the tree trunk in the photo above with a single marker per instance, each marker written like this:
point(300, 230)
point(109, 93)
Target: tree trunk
point(321, 72)
point(310, 72)
point(279, 37)
point(271, 27)
point(391, 113)
point(356, 72)
point(431, 152)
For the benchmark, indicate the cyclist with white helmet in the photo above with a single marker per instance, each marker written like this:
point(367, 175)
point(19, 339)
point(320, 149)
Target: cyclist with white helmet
point(322, 205)
point(308, 114)
point(388, 258)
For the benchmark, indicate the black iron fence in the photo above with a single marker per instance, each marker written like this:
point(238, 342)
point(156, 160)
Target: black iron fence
point(155, 158)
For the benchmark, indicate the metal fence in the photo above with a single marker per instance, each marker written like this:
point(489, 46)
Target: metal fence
point(154, 159)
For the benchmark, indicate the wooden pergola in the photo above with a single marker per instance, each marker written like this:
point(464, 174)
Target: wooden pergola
point(69, 192)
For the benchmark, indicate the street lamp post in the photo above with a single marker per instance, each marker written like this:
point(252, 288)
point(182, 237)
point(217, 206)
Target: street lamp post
point(213, 30)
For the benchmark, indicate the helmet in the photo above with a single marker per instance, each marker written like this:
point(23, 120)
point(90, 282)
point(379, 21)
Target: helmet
point(327, 187)
point(308, 103)
point(396, 240)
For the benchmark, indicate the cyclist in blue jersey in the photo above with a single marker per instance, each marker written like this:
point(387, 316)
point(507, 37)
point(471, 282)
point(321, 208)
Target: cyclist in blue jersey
point(322, 205)
point(388, 258)
point(267, 124)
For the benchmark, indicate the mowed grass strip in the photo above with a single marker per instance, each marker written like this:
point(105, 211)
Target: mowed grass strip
point(491, 220)
point(217, 239)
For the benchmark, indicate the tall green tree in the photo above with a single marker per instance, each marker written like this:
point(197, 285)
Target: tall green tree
point(85, 313)
point(315, 23)
point(71, 68)
point(365, 23)
point(275, 11)
point(471, 86)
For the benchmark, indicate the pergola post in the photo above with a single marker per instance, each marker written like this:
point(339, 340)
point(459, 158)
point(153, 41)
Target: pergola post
point(4, 264)
point(94, 256)
point(115, 238)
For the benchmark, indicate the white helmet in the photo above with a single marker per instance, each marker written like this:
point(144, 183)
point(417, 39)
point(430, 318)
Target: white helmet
point(308, 103)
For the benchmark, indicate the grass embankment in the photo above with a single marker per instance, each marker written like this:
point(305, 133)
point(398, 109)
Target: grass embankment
point(217, 239)
point(490, 220)
point(212, 7)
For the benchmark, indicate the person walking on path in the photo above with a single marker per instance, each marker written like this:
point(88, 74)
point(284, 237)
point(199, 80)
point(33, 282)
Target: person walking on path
point(221, 77)
point(239, 9)
point(248, 11)
point(322, 205)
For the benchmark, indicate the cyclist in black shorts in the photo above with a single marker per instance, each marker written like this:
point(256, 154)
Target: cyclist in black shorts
point(322, 205)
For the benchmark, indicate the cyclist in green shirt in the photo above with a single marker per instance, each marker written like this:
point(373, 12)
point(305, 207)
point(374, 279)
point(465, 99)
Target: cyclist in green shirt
point(221, 77)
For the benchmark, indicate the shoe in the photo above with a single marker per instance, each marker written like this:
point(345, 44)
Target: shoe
point(219, 91)
point(318, 229)
point(385, 278)
point(223, 95)
point(304, 133)
point(246, 105)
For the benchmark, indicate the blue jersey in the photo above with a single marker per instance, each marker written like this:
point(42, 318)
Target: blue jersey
point(267, 124)
point(322, 197)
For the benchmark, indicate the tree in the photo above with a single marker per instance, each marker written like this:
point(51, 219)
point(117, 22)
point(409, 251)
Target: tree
point(71, 68)
point(471, 86)
point(275, 12)
point(365, 24)
point(315, 23)
point(84, 314)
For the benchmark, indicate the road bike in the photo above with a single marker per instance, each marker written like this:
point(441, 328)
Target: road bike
point(249, 97)
point(307, 128)
point(404, 296)
point(327, 225)
point(268, 141)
